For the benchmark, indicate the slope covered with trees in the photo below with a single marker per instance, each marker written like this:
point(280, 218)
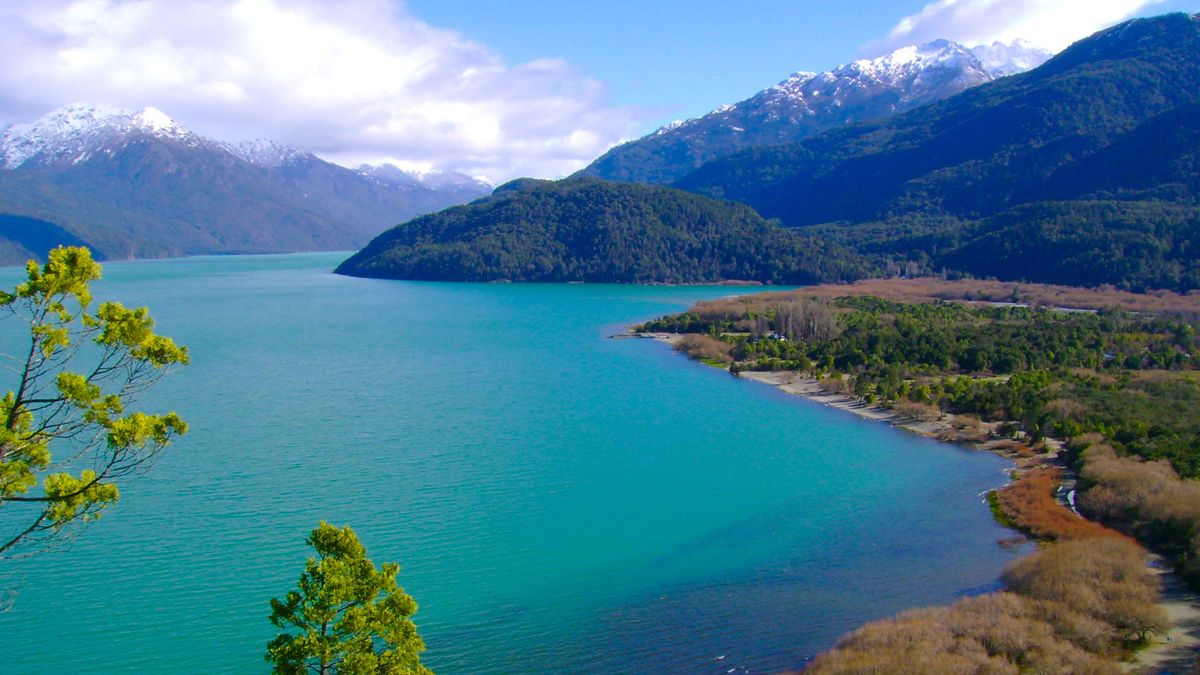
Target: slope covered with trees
point(597, 231)
point(1093, 152)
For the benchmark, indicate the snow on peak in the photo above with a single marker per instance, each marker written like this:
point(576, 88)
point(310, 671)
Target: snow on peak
point(153, 119)
point(1002, 60)
point(423, 175)
point(391, 174)
point(669, 127)
point(74, 132)
point(265, 153)
point(906, 60)
point(915, 72)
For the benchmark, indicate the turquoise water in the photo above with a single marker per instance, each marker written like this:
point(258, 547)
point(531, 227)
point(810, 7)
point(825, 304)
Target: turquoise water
point(558, 501)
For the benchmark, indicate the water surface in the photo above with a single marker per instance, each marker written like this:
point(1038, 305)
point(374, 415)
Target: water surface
point(558, 501)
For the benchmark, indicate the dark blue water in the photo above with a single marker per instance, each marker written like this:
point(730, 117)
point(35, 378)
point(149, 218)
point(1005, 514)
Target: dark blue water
point(558, 501)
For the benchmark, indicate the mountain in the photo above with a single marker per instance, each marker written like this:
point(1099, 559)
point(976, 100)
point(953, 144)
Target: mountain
point(806, 104)
point(446, 182)
point(133, 184)
point(597, 231)
point(1002, 60)
point(1093, 154)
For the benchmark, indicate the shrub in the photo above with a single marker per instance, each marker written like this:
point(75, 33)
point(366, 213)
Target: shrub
point(703, 347)
point(1030, 505)
point(1071, 607)
point(918, 412)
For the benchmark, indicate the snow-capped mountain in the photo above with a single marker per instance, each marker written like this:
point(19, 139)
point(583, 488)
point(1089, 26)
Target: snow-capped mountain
point(807, 103)
point(135, 183)
point(435, 179)
point(390, 174)
point(1001, 60)
point(72, 133)
point(267, 153)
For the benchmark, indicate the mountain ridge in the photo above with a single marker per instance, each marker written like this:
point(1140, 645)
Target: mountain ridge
point(957, 167)
point(805, 104)
point(135, 183)
point(1082, 171)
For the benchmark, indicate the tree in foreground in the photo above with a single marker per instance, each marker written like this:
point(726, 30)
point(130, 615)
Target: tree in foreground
point(347, 616)
point(66, 433)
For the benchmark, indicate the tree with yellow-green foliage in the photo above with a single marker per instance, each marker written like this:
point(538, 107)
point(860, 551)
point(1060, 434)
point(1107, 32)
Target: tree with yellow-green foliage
point(347, 616)
point(66, 431)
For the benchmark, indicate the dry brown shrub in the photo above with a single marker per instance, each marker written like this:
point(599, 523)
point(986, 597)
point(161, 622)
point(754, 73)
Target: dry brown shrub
point(1064, 658)
point(1089, 439)
point(1070, 609)
point(933, 289)
point(1078, 627)
point(835, 385)
point(965, 429)
point(1029, 502)
point(1104, 577)
point(916, 642)
point(730, 308)
point(966, 422)
point(1024, 450)
point(1154, 376)
point(705, 347)
point(994, 633)
point(1067, 408)
point(917, 412)
point(1148, 498)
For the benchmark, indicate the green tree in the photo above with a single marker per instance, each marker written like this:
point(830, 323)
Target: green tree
point(348, 617)
point(74, 384)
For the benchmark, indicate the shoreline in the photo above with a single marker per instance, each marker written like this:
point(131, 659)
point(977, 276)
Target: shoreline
point(942, 429)
point(1176, 650)
point(810, 388)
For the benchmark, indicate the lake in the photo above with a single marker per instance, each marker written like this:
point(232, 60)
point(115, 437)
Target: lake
point(557, 501)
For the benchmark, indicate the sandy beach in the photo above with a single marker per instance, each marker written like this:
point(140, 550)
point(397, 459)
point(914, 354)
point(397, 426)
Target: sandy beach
point(800, 385)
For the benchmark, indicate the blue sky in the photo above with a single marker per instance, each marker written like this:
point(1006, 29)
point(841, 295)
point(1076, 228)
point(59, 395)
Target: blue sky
point(683, 59)
point(493, 88)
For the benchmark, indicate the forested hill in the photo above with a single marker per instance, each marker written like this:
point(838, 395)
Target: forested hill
point(1090, 159)
point(598, 231)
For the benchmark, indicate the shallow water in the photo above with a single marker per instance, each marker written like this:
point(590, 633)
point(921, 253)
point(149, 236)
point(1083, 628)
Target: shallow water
point(558, 501)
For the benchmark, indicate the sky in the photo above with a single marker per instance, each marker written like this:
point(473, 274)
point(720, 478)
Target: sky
point(493, 88)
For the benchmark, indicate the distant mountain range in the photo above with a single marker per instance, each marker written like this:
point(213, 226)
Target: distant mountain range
point(806, 104)
point(1085, 170)
point(133, 184)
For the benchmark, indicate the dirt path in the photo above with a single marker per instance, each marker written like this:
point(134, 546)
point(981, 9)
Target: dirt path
point(1177, 651)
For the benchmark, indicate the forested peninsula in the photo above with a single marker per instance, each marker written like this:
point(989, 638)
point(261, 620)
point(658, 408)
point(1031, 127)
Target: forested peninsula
point(1104, 391)
point(598, 231)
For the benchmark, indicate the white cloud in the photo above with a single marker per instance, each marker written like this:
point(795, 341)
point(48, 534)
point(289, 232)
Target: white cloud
point(1052, 24)
point(354, 80)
